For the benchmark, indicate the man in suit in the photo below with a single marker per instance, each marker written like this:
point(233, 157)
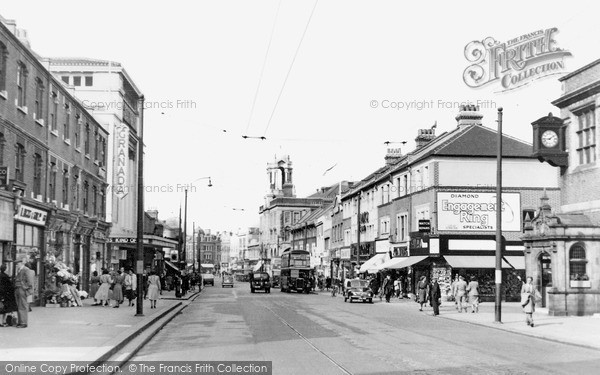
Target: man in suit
point(23, 288)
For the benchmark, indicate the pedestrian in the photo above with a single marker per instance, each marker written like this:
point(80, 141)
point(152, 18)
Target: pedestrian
point(117, 287)
point(94, 285)
point(397, 288)
point(435, 297)
point(145, 284)
point(102, 293)
point(422, 291)
point(328, 283)
point(461, 294)
point(528, 297)
point(387, 288)
point(169, 281)
point(8, 303)
point(374, 284)
point(473, 289)
point(24, 281)
point(153, 288)
point(453, 291)
point(130, 285)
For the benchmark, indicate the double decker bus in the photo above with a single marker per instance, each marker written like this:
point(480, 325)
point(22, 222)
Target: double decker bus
point(296, 273)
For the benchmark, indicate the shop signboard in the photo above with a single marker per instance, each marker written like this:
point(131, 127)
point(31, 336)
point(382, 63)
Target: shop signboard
point(476, 212)
point(28, 214)
point(425, 226)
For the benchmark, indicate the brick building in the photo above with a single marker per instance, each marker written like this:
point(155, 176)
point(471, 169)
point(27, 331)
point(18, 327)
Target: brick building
point(53, 156)
point(563, 247)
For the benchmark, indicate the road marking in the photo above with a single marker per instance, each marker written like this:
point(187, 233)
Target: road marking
point(335, 363)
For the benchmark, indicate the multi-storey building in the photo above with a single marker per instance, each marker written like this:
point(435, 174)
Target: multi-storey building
point(209, 248)
point(108, 92)
point(52, 158)
point(563, 248)
point(436, 205)
point(312, 233)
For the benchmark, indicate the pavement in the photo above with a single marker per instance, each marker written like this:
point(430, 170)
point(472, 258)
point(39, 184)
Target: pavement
point(88, 333)
point(581, 331)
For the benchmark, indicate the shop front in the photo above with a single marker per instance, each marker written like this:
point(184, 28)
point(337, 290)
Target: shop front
point(7, 224)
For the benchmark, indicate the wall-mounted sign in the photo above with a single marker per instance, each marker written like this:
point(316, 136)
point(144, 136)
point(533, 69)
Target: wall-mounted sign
point(31, 215)
point(419, 243)
point(425, 226)
point(400, 251)
point(345, 253)
point(467, 211)
point(4, 176)
point(122, 159)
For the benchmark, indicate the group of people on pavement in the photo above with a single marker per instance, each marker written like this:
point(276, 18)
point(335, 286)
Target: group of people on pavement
point(465, 294)
point(122, 284)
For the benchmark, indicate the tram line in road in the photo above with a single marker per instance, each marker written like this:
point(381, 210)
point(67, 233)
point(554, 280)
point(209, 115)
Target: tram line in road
point(307, 341)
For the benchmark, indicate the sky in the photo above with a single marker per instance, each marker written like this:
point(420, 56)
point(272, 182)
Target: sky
point(316, 79)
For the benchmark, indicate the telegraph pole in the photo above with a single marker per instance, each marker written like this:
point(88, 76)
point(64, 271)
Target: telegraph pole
point(139, 267)
point(357, 235)
point(498, 306)
point(183, 255)
point(194, 246)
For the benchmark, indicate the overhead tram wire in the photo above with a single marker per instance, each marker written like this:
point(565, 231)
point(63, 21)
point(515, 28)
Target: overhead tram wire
point(262, 70)
point(291, 66)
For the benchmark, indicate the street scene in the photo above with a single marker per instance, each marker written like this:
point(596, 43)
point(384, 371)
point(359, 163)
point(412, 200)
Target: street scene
point(293, 187)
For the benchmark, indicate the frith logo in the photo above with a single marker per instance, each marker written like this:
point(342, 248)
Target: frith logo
point(515, 63)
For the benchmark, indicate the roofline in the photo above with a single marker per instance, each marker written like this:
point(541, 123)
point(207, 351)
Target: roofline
point(574, 73)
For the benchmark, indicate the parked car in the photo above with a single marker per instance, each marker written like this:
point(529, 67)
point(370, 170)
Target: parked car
point(357, 289)
point(227, 281)
point(260, 281)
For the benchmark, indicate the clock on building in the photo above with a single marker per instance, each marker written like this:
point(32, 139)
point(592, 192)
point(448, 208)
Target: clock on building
point(549, 141)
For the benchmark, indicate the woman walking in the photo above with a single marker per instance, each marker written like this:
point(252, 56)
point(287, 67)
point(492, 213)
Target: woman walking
point(153, 288)
point(8, 302)
point(102, 293)
point(130, 286)
point(117, 289)
point(473, 289)
point(435, 296)
point(422, 294)
point(528, 293)
point(94, 285)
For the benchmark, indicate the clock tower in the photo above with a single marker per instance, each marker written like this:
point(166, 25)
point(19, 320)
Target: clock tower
point(549, 141)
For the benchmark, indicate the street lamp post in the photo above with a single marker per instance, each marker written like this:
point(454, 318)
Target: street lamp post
point(498, 274)
point(183, 252)
point(140, 214)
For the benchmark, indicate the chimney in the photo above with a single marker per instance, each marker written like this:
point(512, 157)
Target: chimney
point(425, 136)
point(469, 115)
point(21, 34)
point(392, 156)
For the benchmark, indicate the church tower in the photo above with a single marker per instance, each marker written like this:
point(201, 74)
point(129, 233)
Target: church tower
point(280, 178)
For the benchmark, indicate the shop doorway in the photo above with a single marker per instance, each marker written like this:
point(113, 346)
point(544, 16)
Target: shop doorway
point(545, 275)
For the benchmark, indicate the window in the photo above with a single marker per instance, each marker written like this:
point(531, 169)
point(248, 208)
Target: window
point(75, 193)
point(577, 262)
point(52, 182)
point(37, 174)
point(65, 79)
point(65, 187)
point(384, 225)
point(21, 85)
point(96, 145)
point(3, 57)
point(404, 187)
point(94, 201)
point(86, 140)
point(527, 215)
point(20, 162)
point(54, 112)
point(402, 227)
point(89, 81)
point(39, 99)
point(102, 203)
point(86, 197)
point(586, 135)
point(67, 124)
point(77, 81)
point(77, 130)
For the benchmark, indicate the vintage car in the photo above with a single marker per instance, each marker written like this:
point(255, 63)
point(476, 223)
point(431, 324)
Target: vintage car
point(260, 281)
point(227, 281)
point(357, 289)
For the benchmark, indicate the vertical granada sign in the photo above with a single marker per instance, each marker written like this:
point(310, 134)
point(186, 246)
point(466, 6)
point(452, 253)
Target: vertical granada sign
point(121, 160)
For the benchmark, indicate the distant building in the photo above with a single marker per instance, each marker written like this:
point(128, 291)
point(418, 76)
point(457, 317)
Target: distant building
point(209, 248)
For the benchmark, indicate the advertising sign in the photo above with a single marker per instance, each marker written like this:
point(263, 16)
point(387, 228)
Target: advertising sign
point(3, 176)
point(476, 212)
point(122, 160)
point(31, 215)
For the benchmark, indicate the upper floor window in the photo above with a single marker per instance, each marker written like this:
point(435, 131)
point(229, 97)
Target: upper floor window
point(86, 197)
point(39, 99)
point(96, 145)
point(77, 81)
point(54, 112)
point(86, 140)
point(67, 124)
point(586, 134)
point(52, 182)
point(2, 143)
point(77, 130)
point(20, 162)
point(37, 174)
point(89, 81)
point(3, 58)
point(21, 85)
point(94, 200)
point(65, 186)
point(65, 79)
point(577, 262)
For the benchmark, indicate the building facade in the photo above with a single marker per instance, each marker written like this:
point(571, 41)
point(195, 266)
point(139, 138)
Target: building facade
point(563, 241)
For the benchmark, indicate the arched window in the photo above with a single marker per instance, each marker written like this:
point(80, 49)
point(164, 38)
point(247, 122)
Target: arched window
point(3, 58)
point(577, 262)
point(39, 99)
point(21, 85)
point(20, 162)
point(37, 174)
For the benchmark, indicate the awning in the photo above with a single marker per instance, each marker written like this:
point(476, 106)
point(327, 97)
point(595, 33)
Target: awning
point(484, 261)
point(372, 263)
point(172, 266)
point(401, 262)
point(257, 266)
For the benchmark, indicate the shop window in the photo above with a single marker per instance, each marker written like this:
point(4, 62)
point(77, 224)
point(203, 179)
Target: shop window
point(577, 262)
